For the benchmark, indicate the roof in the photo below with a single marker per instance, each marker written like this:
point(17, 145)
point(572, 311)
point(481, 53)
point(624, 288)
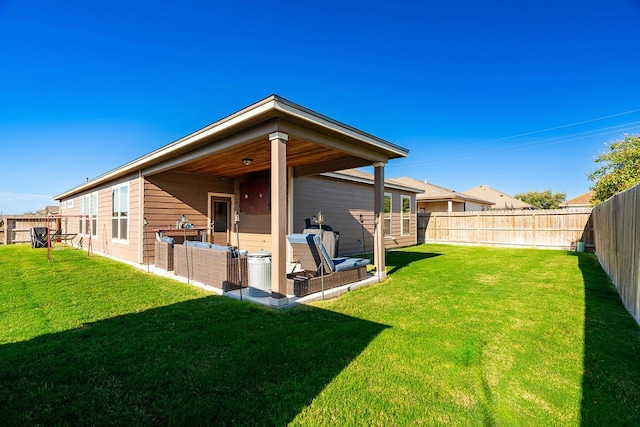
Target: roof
point(500, 199)
point(581, 200)
point(356, 175)
point(243, 131)
point(432, 192)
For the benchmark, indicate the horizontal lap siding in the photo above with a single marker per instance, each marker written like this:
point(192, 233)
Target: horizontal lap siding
point(169, 195)
point(254, 232)
point(341, 203)
point(102, 241)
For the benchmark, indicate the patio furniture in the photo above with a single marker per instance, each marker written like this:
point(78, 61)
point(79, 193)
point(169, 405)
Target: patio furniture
point(39, 237)
point(320, 270)
point(214, 265)
point(164, 253)
point(59, 237)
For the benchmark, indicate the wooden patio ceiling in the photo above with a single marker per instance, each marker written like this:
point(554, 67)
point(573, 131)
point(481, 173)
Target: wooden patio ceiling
point(305, 157)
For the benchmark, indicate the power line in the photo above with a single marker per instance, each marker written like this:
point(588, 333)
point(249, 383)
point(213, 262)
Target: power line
point(533, 144)
point(547, 129)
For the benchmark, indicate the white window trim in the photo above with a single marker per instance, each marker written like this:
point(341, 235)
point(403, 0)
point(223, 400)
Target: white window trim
point(119, 187)
point(81, 208)
point(390, 216)
point(94, 198)
point(87, 211)
point(404, 232)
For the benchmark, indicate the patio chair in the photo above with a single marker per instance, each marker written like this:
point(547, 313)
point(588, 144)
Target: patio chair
point(320, 270)
point(39, 237)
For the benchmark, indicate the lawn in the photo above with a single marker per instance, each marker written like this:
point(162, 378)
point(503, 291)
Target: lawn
point(456, 336)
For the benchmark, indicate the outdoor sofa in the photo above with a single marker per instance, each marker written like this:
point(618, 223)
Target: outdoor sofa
point(320, 271)
point(164, 253)
point(218, 266)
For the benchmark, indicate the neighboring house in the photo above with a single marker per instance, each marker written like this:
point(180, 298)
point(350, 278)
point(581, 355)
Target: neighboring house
point(49, 210)
point(499, 199)
point(343, 196)
point(435, 198)
point(581, 201)
point(248, 162)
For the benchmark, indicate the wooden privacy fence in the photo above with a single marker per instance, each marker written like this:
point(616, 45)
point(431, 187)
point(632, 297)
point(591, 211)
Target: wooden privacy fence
point(616, 224)
point(544, 229)
point(18, 229)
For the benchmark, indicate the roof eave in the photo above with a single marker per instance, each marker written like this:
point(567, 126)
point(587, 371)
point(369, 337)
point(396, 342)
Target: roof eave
point(271, 104)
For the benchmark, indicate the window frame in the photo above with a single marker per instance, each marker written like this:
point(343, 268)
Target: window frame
point(386, 219)
point(117, 218)
point(405, 216)
point(94, 214)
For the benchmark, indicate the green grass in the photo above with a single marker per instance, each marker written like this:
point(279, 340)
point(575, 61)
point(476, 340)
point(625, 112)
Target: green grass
point(456, 336)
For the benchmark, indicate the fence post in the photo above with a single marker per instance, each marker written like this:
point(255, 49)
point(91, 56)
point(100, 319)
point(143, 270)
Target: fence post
point(435, 229)
point(533, 229)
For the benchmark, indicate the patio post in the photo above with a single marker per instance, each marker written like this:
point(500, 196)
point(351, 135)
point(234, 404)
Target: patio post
point(378, 211)
point(278, 218)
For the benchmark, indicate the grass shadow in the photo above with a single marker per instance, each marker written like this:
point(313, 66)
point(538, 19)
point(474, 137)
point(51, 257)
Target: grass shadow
point(205, 361)
point(611, 378)
point(400, 259)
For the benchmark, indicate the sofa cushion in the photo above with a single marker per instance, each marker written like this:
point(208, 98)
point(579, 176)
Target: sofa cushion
point(344, 263)
point(167, 239)
point(229, 249)
point(197, 244)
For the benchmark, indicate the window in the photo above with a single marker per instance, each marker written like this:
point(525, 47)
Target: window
point(70, 203)
point(63, 204)
point(406, 215)
point(94, 214)
point(87, 213)
point(81, 211)
point(120, 212)
point(387, 214)
point(88, 209)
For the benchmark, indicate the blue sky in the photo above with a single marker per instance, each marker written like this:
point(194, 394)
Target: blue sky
point(515, 95)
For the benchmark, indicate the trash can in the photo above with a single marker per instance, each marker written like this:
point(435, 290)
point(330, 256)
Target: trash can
point(259, 266)
point(580, 247)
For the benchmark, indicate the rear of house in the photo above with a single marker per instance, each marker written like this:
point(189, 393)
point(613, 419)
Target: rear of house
point(243, 171)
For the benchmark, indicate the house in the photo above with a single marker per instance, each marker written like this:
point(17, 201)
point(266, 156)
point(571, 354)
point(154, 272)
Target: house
point(248, 162)
point(49, 210)
point(500, 200)
point(435, 198)
point(581, 201)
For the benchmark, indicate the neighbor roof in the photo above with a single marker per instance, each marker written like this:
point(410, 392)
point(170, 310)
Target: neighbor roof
point(356, 175)
point(581, 200)
point(432, 192)
point(501, 200)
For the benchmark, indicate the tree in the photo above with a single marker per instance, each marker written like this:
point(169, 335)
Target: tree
point(618, 168)
point(542, 199)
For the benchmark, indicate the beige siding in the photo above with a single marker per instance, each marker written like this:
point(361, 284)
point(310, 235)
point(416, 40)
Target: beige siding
point(433, 206)
point(169, 195)
point(102, 241)
point(341, 203)
point(472, 207)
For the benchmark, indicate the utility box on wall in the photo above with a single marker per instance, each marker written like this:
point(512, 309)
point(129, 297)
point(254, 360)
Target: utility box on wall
point(255, 196)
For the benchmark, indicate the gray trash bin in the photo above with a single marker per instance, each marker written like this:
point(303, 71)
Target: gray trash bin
point(259, 265)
